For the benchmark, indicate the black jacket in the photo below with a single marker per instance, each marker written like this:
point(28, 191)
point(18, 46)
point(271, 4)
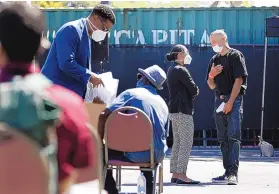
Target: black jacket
point(182, 90)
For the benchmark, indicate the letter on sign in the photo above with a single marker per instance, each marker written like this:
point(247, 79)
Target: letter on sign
point(140, 38)
point(172, 34)
point(118, 34)
point(159, 36)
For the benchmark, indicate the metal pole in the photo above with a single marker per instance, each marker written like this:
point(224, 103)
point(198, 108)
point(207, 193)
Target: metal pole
point(179, 24)
point(204, 138)
point(263, 93)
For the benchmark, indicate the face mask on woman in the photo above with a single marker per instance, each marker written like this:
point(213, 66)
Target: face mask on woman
point(187, 59)
point(97, 35)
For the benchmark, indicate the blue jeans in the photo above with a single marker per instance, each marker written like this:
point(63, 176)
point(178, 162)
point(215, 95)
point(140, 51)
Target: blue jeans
point(229, 133)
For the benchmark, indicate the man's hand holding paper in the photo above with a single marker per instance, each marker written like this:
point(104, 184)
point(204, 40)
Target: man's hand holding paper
point(96, 80)
point(102, 93)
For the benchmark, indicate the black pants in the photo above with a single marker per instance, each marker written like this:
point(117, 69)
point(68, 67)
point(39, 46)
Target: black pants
point(110, 184)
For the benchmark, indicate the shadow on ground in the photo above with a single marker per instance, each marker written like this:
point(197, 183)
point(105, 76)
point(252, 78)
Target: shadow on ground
point(246, 155)
point(202, 184)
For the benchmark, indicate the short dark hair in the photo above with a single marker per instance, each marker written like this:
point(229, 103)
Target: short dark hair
point(21, 28)
point(105, 12)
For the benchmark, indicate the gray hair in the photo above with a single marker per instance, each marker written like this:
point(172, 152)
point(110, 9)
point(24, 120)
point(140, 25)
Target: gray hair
point(220, 33)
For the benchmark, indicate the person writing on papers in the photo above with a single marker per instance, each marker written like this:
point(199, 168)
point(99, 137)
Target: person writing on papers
point(69, 58)
point(227, 75)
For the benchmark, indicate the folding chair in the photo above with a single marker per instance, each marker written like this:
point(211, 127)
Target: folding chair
point(130, 132)
point(23, 169)
point(95, 171)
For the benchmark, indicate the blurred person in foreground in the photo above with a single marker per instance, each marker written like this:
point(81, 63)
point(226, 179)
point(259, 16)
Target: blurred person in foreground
point(227, 76)
point(146, 98)
point(182, 92)
point(75, 144)
point(69, 60)
point(21, 27)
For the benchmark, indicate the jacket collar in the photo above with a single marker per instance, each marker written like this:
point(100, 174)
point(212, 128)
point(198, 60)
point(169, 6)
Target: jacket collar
point(84, 23)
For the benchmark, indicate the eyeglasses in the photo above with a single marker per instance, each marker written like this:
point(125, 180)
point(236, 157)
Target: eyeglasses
point(103, 22)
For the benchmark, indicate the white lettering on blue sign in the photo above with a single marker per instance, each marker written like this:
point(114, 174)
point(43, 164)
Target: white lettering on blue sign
point(157, 37)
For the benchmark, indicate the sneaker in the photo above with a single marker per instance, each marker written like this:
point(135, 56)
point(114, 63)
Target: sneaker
point(220, 179)
point(232, 180)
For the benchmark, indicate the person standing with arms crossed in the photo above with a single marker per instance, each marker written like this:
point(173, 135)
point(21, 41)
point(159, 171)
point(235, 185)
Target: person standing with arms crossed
point(182, 92)
point(227, 76)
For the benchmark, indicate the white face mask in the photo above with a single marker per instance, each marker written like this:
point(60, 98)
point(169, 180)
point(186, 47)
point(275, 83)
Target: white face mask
point(187, 60)
point(97, 35)
point(217, 48)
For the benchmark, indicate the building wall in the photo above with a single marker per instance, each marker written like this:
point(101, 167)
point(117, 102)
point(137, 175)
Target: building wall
point(142, 38)
point(172, 26)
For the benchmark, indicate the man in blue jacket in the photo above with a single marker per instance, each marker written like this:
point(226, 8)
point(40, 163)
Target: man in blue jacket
point(69, 58)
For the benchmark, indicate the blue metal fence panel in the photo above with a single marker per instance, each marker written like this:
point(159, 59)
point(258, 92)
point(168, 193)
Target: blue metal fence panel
point(125, 61)
point(172, 26)
point(142, 37)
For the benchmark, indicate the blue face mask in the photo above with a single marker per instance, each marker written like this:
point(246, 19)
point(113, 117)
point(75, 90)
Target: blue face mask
point(140, 83)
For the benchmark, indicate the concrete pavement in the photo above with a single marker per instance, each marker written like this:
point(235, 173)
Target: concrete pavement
point(257, 175)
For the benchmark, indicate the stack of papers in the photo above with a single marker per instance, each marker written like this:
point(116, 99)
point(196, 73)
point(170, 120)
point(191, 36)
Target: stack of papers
point(106, 93)
point(221, 107)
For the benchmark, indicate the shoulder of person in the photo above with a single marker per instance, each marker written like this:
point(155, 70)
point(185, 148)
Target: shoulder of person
point(180, 68)
point(236, 53)
point(171, 69)
point(214, 57)
point(75, 23)
point(68, 25)
point(183, 70)
point(72, 26)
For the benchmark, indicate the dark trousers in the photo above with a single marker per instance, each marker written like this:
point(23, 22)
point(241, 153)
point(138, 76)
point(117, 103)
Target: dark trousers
point(229, 133)
point(110, 184)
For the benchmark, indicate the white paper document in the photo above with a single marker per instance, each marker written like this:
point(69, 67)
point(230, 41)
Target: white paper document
point(107, 92)
point(221, 107)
